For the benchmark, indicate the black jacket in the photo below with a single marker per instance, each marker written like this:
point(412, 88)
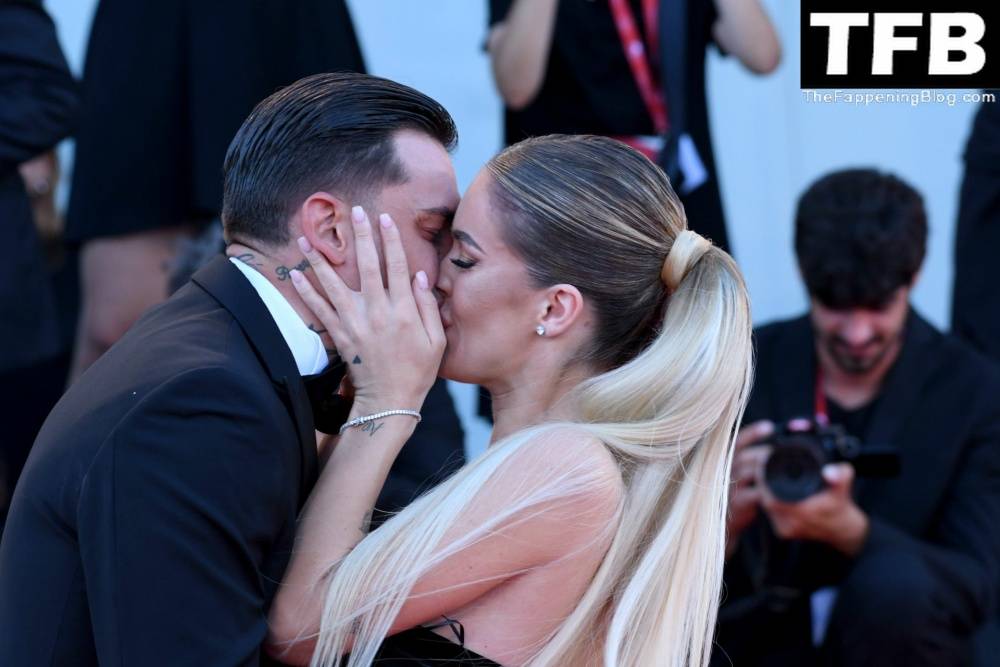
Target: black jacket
point(156, 513)
point(975, 302)
point(38, 103)
point(165, 88)
point(940, 406)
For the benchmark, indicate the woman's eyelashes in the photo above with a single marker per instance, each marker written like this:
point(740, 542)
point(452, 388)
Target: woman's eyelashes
point(462, 263)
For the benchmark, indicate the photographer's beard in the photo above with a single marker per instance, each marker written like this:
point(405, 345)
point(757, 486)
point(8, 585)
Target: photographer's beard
point(860, 359)
point(861, 341)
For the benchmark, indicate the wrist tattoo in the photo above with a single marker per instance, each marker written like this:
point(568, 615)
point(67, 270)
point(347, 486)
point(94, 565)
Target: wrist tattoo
point(284, 272)
point(371, 428)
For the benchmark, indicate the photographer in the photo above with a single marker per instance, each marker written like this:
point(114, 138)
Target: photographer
point(864, 570)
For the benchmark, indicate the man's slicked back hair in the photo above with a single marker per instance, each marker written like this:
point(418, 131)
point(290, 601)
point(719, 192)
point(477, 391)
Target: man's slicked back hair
point(328, 132)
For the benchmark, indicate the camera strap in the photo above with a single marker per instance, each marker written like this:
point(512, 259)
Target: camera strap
point(819, 400)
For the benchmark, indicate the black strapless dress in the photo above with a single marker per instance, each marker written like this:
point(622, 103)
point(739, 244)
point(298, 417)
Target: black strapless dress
point(421, 647)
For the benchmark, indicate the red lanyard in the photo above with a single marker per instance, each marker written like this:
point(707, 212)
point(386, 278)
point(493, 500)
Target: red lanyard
point(822, 414)
point(638, 55)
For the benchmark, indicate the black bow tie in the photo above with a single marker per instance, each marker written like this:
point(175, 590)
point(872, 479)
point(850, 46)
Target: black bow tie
point(330, 409)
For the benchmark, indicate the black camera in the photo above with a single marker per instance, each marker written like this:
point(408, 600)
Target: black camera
point(793, 471)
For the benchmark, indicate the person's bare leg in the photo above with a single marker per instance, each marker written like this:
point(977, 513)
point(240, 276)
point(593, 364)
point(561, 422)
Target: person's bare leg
point(120, 278)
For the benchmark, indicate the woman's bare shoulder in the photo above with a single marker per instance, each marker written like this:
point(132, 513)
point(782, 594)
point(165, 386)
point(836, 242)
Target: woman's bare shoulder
point(584, 466)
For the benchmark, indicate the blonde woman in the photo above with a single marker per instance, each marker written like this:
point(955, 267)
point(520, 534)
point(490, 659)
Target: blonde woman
point(616, 346)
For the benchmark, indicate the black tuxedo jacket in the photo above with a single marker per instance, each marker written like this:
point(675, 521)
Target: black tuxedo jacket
point(940, 406)
point(156, 513)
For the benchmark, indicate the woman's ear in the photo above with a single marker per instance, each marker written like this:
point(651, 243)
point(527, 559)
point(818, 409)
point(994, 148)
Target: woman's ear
point(325, 222)
point(563, 307)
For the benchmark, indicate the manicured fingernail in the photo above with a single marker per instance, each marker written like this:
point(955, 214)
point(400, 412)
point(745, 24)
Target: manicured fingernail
point(296, 276)
point(358, 215)
point(422, 279)
point(304, 244)
point(385, 220)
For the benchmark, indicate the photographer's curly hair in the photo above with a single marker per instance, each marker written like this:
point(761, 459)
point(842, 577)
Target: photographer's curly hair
point(859, 236)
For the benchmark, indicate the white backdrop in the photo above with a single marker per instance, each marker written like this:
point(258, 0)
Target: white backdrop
point(770, 142)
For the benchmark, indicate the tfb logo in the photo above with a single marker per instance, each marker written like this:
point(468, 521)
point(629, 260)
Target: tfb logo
point(893, 44)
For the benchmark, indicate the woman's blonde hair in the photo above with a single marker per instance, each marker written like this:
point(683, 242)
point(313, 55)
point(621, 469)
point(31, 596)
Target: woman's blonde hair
point(673, 352)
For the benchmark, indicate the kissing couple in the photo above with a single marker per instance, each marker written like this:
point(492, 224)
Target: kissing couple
point(178, 508)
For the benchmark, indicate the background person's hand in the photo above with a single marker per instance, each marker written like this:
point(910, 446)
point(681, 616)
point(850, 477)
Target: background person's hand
point(744, 495)
point(830, 516)
point(390, 336)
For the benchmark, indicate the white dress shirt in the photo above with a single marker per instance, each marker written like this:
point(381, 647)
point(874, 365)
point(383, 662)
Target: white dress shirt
point(305, 344)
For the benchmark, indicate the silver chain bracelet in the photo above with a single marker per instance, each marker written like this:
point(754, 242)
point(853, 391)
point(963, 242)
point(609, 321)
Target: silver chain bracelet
point(359, 421)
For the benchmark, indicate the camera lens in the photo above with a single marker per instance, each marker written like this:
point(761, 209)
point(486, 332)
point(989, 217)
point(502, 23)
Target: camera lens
point(793, 471)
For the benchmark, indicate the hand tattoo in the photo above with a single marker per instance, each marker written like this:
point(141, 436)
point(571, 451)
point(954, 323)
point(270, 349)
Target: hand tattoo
point(312, 327)
point(357, 360)
point(284, 272)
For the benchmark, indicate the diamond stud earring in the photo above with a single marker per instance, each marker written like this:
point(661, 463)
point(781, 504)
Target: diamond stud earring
point(540, 330)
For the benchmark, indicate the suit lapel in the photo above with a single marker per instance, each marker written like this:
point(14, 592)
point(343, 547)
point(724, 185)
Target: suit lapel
point(903, 383)
point(232, 291)
point(901, 389)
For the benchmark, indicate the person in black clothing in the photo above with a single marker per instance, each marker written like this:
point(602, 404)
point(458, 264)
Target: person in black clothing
point(975, 313)
point(561, 68)
point(165, 87)
point(975, 308)
point(158, 507)
point(868, 571)
point(38, 105)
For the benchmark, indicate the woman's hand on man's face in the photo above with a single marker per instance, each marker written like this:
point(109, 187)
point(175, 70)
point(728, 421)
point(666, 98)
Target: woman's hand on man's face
point(391, 337)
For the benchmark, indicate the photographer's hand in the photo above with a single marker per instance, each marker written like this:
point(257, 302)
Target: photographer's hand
point(830, 516)
point(744, 495)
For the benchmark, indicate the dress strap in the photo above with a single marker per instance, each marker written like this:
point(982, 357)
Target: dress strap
point(455, 626)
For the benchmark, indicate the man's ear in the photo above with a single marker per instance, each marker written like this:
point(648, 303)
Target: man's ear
point(563, 306)
point(325, 222)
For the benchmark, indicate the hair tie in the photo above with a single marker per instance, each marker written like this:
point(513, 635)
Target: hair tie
point(687, 249)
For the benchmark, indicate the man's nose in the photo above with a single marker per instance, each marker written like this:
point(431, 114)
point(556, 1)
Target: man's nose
point(857, 329)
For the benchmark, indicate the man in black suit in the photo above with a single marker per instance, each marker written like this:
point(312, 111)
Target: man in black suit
point(157, 510)
point(38, 104)
point(867, 571)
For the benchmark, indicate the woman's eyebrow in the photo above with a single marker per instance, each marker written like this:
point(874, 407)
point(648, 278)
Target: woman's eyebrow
point(466, 239)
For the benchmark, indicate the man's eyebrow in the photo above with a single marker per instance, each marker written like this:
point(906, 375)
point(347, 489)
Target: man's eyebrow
point(441, 211)
point(466, 239)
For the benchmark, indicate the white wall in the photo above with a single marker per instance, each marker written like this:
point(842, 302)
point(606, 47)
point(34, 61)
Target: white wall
point(770, 142)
